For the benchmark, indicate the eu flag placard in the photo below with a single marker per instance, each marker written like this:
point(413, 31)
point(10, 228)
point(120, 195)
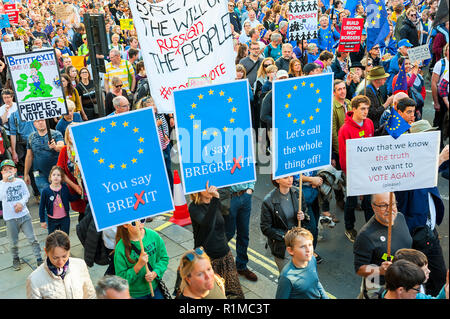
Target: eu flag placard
point(215, 135)
point(123, 168)
point(301, 121)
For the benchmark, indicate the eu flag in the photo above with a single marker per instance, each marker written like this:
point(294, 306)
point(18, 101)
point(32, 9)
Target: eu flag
point(123, 168)
point(377, 23)
point(401, 85)
point(215, 135)
point(350, 5)
point(396, 125)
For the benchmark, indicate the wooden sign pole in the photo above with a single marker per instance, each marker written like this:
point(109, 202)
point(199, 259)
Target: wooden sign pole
point(300, 197)
point(391, 196)
point(146, 268)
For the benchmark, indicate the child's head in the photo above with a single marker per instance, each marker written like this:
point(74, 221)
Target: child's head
point(8, 168)
point(299, 243)
point(415, 256)
point(56, 175)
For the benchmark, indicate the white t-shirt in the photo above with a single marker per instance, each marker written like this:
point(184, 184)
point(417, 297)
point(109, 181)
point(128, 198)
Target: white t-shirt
point(12, 193)
point(11, 111)
point(437, 69)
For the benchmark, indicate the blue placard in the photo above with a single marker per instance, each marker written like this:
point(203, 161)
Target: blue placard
point(122, 167)
point(302, 119)
point(4, 21)
point(215, 135)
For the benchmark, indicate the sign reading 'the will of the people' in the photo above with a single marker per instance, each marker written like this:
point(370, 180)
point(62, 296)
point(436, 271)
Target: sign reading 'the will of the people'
point(181, 40)
point(36, 81)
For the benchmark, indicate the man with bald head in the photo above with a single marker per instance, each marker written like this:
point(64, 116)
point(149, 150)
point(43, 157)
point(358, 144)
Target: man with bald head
point(397, 97)
point(370, 248)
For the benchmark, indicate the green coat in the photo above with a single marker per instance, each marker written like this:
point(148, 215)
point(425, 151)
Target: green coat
point(157, 257)
point(338, 121)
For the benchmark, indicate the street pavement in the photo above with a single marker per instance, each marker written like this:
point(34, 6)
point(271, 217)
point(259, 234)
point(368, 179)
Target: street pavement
point(336, 272)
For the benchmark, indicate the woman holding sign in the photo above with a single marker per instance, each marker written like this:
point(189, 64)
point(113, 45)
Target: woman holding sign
point(209, 232)
point(130, 261)
point(279, 213)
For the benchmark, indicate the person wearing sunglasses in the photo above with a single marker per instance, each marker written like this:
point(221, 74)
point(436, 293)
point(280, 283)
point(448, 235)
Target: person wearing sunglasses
point(198, 280)
point(209, 232)
point(130, 262)
point(409, 27)
point(116, 90)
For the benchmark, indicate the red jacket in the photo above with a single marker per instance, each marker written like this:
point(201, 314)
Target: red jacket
point(351, 130)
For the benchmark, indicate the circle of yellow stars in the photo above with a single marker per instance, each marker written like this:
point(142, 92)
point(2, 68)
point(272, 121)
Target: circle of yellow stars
point(97, 139)
point(233, 109)
point(287, 106)
point(390, 128)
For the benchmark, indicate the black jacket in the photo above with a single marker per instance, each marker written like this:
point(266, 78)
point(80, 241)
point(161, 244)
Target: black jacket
point(337, 69)
point(273, 220)
point(234, 20)
point(409, 32)
point(92, 241)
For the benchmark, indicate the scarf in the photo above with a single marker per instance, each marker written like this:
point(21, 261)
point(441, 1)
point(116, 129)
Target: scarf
point(61, 272)
point(76, 170)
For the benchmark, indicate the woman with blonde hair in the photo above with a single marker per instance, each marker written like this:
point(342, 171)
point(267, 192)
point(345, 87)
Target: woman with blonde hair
point(262, 75)
point(295, 68)
point(198, 280)
point(209, 232)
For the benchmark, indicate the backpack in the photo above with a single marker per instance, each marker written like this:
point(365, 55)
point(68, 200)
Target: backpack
point(142, 89)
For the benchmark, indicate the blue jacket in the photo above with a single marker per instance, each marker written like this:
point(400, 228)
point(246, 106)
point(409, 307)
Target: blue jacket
point(48, 196)
point(415, 206)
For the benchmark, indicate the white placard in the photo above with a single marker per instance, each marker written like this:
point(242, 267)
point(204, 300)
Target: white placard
point(419, 53)
point(303, 16)
point(181, 40)
point(36, 82)
point(13, 47)
point(384, 164)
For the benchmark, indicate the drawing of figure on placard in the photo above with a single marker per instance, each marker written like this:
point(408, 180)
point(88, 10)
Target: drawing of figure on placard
point(38, 87)
point(309, 6)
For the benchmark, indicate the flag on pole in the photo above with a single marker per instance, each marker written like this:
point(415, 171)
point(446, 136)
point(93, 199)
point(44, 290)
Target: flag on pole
point(401, 85)
point(377, 23)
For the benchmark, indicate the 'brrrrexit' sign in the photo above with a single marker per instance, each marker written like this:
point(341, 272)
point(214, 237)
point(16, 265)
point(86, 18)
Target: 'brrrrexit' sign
point(183, 39)
point(37, 85)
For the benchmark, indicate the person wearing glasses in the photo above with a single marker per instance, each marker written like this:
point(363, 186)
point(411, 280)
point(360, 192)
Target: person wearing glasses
point(209, 232)
point(86, 90)
point(116, 90)
point(198, 280)
point(409, 29)
point(130, 262)
point(403, 280)
point(370, 247)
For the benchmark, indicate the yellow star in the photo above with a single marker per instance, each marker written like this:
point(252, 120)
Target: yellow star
point(95, 151)
point(194, 105)
point(378, 16)
point(373, 22)
point(231, 120)
point(225, 128)
point(311, 85)
point(192, 116)
point(289, 115)
point(113, 124)
point(102, 129)
point(377, 1)
point(95, 139)
point(141, 140)
point(205, 132)
point(200, 97)
point(230, 100)
point(303, 83)
point(317, 91)
point(233, 110)
point(125, 124)
point(134, 160)
point(211, 92)
point(123, 165)
point(111, 166)
point(317, 110)
point(101, 161)
point(215, 133)
point(195, 125)
point(286, 105)
point(311, 118)
point(221, 93)
point(140, 151)
point(135, 130)
point(319, 100)
point(295, 121)
point(380, 8)
point(289, 96)
point(295, 87)
point(303, 121)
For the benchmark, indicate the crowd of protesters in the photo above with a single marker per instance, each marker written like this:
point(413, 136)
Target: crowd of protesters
point(364, 94)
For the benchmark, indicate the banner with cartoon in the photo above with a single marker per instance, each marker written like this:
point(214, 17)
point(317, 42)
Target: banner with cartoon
point(36, 82)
